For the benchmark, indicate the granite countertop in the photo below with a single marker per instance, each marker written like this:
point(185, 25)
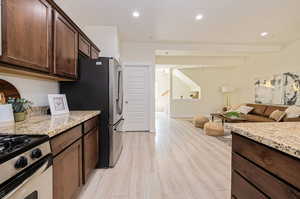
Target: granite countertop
point(47, 124)
point(283, 136)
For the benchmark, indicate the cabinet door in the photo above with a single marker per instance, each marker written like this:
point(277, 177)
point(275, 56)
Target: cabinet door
point(27, 33)
point(84, 46)
point(94, 53)
point(65, 47)
point(67, 172)
point(91, 154)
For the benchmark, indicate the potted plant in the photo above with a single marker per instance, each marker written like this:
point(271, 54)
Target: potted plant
point(20, 107)
point(232, 114)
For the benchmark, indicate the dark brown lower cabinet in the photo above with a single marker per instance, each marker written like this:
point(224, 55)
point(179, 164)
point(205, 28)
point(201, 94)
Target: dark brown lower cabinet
point(90, 143)
point(67, 172)
point(76, 153)
point(245, 189)
point(259, 171)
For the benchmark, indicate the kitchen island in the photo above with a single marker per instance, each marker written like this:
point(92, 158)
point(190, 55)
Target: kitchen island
point(265, 160)
point(74, 140)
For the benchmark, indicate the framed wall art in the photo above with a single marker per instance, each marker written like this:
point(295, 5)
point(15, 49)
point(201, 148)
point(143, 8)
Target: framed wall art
point(58, 104)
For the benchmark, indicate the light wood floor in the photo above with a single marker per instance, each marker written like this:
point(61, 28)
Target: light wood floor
point(178, 162)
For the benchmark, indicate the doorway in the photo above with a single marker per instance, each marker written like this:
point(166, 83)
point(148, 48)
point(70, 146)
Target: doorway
point(136, 98)
point(162, 90)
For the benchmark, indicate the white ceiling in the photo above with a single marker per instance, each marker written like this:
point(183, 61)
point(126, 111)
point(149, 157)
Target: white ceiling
point(225, 21)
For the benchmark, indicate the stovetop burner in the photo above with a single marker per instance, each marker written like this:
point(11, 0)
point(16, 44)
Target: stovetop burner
point(9, 143)
point(12, 145)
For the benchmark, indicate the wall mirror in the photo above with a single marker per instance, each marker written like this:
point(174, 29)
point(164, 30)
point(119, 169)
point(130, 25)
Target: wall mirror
point(7, 90)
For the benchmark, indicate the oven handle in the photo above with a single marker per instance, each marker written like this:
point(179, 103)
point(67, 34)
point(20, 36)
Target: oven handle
point(9, 187)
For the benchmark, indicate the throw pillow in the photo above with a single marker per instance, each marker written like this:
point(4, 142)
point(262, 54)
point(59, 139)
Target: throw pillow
point(293, 112)
point(277, 115)
point(234, 107)
point(258, 109)
point(244, 109)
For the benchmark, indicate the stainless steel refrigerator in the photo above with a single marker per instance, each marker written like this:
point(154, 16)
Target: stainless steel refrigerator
point(100, 87)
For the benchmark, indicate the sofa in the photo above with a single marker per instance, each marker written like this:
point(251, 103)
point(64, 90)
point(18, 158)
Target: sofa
point(261, 113)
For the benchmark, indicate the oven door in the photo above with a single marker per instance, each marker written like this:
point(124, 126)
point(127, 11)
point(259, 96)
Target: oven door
point(34, 182)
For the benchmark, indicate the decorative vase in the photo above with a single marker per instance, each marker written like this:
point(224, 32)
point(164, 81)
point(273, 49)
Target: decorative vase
point(19, 117)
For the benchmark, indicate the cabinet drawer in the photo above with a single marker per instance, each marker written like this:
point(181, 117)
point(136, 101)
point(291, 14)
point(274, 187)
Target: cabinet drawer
point(281, 165)
point(241, 189)
point(270, 185)
point(65, 139)
point(84, 46)
point(90, 124)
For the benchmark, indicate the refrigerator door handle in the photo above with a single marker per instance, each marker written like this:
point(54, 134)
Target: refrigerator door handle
point(117, 124)
point(119, 101)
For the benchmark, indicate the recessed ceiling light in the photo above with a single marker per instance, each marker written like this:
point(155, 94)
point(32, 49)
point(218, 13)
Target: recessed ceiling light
point(264, 34)
point(199, 17)
point(136, 14)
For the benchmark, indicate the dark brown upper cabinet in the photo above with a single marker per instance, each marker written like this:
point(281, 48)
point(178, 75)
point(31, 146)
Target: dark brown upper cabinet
point(65, 47)
point(84, 46)
point(39, 39)
point(94, 53)
point(27, 33)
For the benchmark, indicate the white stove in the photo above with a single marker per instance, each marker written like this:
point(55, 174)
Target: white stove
point(25, 167)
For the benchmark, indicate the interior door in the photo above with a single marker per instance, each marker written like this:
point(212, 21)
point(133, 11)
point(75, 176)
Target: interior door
point(136, 94)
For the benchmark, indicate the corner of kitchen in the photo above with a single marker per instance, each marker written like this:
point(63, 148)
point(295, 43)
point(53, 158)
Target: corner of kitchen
point(61, 105)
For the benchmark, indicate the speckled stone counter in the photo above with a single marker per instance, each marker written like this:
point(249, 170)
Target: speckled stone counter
point(283, 136)
point(47, 124)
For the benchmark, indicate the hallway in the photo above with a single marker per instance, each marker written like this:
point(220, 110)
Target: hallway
point(177, 162)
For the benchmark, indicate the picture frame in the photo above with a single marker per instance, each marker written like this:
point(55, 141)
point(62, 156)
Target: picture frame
point(58, 104)
point(6, 113)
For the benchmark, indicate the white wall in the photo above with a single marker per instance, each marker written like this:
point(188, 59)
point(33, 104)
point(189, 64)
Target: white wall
point(186, 108)
point(106, 38)
point(210, 80)
point(180, 89)
point(33, 89)
point(265, 65)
